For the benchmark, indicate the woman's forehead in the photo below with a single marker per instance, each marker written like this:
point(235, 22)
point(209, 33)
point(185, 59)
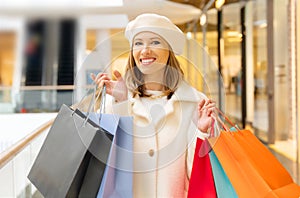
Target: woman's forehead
point(151, 36)
point(147, 35)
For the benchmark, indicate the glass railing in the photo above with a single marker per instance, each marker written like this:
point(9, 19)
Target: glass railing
point(6, 105)
point(16, 161)
point(25, 116)
point(34, 99)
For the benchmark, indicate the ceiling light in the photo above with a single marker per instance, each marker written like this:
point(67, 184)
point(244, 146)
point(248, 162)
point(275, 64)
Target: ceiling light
point(203, 19)
point(234, 34)
point(189, 35)
point(260, 23)
point(219, 3)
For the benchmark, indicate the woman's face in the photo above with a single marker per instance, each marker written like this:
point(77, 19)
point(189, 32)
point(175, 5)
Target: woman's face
point(150, 52)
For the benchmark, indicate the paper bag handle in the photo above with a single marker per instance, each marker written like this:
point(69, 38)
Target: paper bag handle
point(227, 119)
point(102, 101)
point(95, 98)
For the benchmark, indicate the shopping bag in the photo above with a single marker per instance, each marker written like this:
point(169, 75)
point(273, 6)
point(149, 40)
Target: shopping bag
point(73, 157)
point(251, 168)
point(94, 174)
point(201, 181)
point(68, 152)
point(223, 185)
point(118, 179)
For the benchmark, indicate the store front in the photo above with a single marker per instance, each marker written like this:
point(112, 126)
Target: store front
point(258, 66)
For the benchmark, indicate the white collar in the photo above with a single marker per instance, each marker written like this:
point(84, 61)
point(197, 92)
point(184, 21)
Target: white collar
point(184, 93)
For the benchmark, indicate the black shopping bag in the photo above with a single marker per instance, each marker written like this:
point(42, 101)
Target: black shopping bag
point(75, 149)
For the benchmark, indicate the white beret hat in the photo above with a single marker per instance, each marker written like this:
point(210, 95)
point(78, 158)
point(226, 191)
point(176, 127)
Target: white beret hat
point(160, 25)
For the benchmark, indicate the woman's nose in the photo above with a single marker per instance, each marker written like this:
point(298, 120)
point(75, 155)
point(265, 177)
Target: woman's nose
point(146, 50)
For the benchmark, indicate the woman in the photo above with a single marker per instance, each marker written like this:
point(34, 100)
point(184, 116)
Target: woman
point(168, 113)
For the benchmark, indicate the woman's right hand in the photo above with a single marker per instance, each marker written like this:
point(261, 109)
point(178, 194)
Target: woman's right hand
point(206, 114)
point(116, 88)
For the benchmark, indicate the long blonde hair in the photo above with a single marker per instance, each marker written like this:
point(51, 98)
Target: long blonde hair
point(134, 78)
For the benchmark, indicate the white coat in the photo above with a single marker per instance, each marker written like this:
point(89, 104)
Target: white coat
point(163, 152)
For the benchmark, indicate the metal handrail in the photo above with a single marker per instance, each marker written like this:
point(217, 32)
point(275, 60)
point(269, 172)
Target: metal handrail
point(11, 152)
point(38, 88)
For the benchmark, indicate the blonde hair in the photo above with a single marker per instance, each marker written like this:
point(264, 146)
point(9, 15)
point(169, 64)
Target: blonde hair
point(134, 78)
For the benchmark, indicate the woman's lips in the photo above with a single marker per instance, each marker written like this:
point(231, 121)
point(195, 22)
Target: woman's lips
point(147, 61)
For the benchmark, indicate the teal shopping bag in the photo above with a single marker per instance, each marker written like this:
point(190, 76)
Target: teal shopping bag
point(223, 186)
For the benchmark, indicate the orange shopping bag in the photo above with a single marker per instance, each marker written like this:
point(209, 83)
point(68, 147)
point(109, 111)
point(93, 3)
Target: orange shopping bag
point(251, 167)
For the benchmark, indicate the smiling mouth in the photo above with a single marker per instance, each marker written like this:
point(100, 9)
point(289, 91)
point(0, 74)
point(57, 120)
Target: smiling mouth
point(147, 61)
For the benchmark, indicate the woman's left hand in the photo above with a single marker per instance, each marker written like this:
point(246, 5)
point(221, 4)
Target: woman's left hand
point(206, 114)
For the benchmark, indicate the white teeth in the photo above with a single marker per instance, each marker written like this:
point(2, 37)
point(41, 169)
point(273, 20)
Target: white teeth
point(147, 60)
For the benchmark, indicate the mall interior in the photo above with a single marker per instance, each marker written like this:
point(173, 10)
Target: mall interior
point(244, 54)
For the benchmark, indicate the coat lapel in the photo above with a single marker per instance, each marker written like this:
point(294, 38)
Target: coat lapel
point(138, 108)
point(184, 93)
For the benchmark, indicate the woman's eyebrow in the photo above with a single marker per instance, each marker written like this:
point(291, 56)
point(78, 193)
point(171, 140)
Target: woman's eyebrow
point(153, 38)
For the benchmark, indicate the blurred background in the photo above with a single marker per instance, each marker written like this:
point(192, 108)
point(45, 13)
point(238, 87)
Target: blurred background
point(242, 53)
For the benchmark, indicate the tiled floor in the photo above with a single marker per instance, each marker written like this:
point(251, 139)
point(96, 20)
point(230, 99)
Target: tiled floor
point(285, 151)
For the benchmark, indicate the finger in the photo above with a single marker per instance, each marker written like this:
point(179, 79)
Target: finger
point(106, 82)
point(209, 101)
point(205, 103)
point(210, 106)
point(212, 101)
point(118, 75)
point(200, 109)
point(97, 79)
point(201, 104)
point(100, 75)
point(202, 112)
point(102, 78)
point(93, 76)
point(210, 111)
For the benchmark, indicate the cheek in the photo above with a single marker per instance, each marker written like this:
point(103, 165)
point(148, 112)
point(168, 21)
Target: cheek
point(135, 57)
point(164, 57)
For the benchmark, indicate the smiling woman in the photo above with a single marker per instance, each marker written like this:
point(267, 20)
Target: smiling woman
point(148, 49)
point(151, 54)
point(168, 112)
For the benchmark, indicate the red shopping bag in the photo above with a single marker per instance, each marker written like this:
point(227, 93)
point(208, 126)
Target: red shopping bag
point(201, 180)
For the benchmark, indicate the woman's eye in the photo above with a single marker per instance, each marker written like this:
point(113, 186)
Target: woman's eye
point(155, 42)
point(138, 43)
